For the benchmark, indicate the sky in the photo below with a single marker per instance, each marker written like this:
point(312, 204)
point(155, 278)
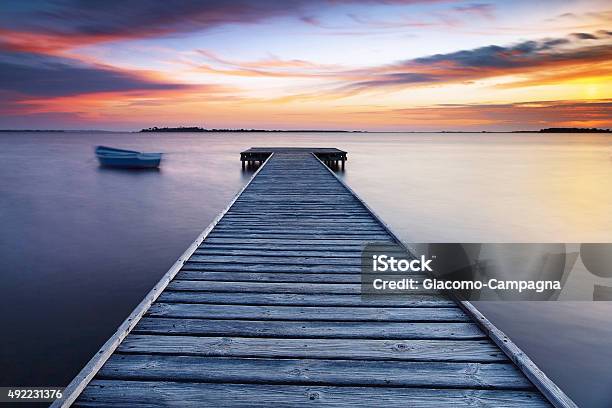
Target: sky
point(378, 65)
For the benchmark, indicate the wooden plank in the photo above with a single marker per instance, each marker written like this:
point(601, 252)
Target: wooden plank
point(305, 228)
point(285, 188)
point(305, 214)
point(295, 299)
point(345, 349)
point(366, 238)
point(306, 221)
point(321, 313)
point(270, 277)
point(303, 242)
point(279, 277)
point(315, 372)
point(299, 212)
point(318, 189)
point(266, 199)
point(286, 260)
point(270, 267)
point(324, 252)
point(290, 235)
point(105, 393)
point(279, 287)
point(309, 329)
point(297, 222)
point(290, 208)
point(264, 247)
point(355, 225)
point(274, 192)
point(307, 210)
point(342, 219)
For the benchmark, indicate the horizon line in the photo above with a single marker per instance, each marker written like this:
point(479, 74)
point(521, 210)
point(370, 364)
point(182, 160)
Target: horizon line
point(246, 130)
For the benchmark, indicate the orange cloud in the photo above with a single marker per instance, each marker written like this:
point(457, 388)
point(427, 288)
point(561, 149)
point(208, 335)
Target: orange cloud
point(555, 59)
point(267, 67)
point(518, 116)
point(530, 63)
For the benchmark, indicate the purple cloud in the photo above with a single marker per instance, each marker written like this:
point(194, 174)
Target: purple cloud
point(43, 75)
point(116, 19)
point(488, 61)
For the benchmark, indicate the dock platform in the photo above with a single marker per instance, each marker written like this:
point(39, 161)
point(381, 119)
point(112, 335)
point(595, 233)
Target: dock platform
point(329, 155)
point(264, 309)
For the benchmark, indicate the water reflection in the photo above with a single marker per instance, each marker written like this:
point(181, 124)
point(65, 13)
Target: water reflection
point(122, 170)
point(251, 168)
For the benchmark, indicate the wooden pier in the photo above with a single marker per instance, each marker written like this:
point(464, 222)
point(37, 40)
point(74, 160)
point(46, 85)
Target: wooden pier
point(264, 309)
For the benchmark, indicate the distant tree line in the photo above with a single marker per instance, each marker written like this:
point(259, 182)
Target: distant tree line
point(201, 129)
point(175, 129)
point(574, 130)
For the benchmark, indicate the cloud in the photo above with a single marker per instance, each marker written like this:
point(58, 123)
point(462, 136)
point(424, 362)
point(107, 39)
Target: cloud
point(527, 53)
point(43, 75)
point(527, 57)
point(502, 117)
point(448, 17)
point(479, 9)
point(271, 66)
point(547, 61)
point(400, 78)
point(111, 19)
point(533, 57)
point(68, 23)
point(584, 36)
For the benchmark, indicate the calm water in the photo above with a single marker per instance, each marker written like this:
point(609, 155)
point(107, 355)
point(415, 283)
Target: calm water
point(80, 246)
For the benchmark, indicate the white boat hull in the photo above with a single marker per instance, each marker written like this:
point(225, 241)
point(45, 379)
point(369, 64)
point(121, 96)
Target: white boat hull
point(127, 159)
point(135, 162)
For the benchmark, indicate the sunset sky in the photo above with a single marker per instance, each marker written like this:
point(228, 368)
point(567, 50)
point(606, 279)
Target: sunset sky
point(306, 64)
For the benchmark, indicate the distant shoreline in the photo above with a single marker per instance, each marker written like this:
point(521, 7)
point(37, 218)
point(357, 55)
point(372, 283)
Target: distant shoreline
point(196, 129)
point(203, 130)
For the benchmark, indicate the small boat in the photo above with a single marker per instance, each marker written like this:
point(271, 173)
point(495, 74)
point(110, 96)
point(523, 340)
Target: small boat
point(129, 159)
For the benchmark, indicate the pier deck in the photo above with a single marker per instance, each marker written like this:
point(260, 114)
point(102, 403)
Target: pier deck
point(329, 155)
point(264, 309)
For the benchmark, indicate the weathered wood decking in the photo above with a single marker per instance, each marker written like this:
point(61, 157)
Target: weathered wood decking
point(266, 311)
